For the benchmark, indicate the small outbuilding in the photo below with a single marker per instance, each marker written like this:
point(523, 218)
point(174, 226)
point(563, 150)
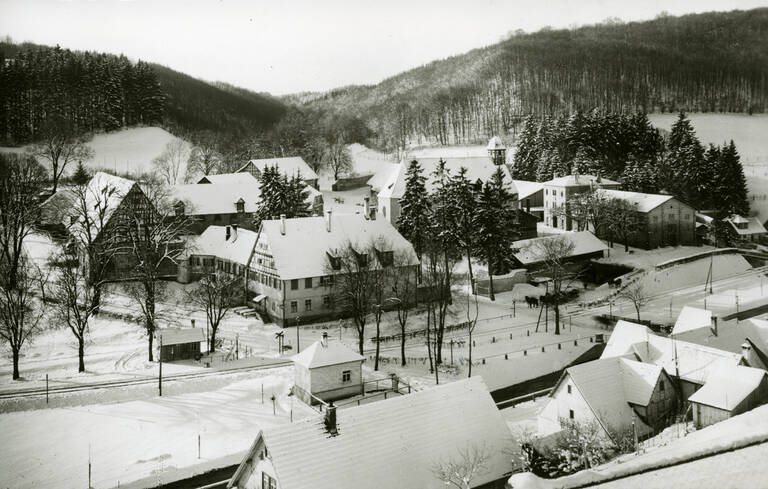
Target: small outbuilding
point(729, 392)
point(180, 344)
point(327, 371)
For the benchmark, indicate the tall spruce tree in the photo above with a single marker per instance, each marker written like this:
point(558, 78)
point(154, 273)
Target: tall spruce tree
point(686, 161)
point(463, 204)
point(728, 185)
point(413, 221)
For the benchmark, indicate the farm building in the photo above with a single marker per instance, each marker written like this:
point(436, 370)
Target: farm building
point(180, 344)
point(729, 392)
point(226, 249)
point(531, 195)
point(291, 270)
point(218, 204)
point(614, 392)
point(293, 166)
point(528, 253)
point(327, 371)
point(559, 190)
point(386, 444)
point(748, 338)
point(746, 228)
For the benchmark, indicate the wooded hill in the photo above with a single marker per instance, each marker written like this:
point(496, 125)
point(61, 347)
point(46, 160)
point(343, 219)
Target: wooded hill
point(712, 62)
point(89, 92)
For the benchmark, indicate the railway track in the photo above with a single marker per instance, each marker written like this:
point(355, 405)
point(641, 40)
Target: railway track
point(41, 391)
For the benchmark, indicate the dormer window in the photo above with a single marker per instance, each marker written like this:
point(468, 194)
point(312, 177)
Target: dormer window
point(240, 205)
point(335, 261)
point(386, 258)
point(178, 208)
point(362, 259)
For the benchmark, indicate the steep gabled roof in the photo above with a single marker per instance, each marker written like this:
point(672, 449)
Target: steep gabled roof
point(290, 166)
point(644, 202)
point(302, 251)
point(322, 355)
point(216, 198)
point(178, 336)
point(393, 443)
point(753, 225)
point(692, 318)
point(103, 195)
point(237, 249)
point(728, 387)
point(478, 168)
point(244, 178)
point(526, 188)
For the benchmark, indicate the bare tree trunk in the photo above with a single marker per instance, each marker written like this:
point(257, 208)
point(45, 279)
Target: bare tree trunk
point(490, 281)
point(471, 275)
point(360, 337)
point(81, 354)
point(212, 347)
point(402, 345)
point(429, 346)
point(149, 346)
point(15, 354)
point(557, 316)
point(378, 343)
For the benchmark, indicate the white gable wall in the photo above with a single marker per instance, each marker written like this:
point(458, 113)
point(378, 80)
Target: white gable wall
point(560, 406)
point(326, 381)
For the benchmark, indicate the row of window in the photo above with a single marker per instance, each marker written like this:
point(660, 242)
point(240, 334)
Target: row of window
point(325, 281)
point(308, 304)
point(554, 192)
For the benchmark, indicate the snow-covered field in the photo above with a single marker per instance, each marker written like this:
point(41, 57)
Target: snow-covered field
point(154, 440)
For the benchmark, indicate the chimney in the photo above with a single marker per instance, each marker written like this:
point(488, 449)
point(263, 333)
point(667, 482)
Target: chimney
point(282, 224)
point(324, 341)
point(234, 232)
point(746, 354)
point(366, 207)
point(330, 419)
point(228, 232)
point(575, 174)
point(328, 220)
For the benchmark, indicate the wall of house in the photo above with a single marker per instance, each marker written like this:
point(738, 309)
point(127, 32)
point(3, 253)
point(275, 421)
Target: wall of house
point(326, 383)
point(662, 404)
point(389, 208)
point(704, 415)
point(758, 397)
point(318, 306)
point(251, 476)
point(670, 224)
point(264, 279)
point(561, 405)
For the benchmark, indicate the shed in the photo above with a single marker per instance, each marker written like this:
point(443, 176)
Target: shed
point(180, 344)
point(328, 371)
point(728, 392)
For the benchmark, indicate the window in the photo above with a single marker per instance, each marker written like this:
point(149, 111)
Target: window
point(308, 283)
point(386, 258)
point(327, 301)
point(240, 204)
point(346, 376)
point(307, 304)
point(335, 261)
point(570, 413)
point(267, 482)
point(295, 284)
point(661, 386)
point(569, 388)
point(294, 306)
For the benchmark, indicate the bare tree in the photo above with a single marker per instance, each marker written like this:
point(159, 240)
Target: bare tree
point(637, 294)
point(471, 323)
point(316, 148)
point(153, 232)
point(354, 281)
point(624, 220)
point(459, 473)
point(72, 301)
point(337, 158)
point(21, 179)
point(553, 253)
point(168, 166)
point(216, 294)
point(404, 289)
point(203, 160)
point(59, 147)
point(21, 313)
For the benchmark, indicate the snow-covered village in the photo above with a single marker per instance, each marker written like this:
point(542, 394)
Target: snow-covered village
point(353, 245)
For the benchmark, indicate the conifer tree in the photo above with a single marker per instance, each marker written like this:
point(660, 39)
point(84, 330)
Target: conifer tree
point(81, 175)
point(413, 221)
point(463, 197)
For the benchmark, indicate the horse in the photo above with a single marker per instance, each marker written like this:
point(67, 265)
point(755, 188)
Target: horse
point(531, 301)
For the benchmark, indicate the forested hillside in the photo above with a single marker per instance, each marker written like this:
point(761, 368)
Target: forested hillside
point(85, 92)
point(701, 63)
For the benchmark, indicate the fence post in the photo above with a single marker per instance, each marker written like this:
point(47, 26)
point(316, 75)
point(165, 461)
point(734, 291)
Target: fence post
point(46, 388)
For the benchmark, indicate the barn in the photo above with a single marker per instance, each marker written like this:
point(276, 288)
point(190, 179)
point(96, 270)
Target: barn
point(180, 344)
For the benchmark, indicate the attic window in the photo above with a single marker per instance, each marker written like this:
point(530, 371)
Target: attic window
point(661, 386)
point(570, 413)
point(179, 208)
point(386, 258)
point(362, 259)
point(240, 204)
point(335, 261)
point(569, 389)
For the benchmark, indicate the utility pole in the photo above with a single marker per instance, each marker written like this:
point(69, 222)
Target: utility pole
point(451, 343)
point(160, 377)
point(298, 345)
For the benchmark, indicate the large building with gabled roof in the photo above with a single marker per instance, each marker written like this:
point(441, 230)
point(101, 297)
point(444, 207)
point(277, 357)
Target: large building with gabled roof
point(292, 166)
point(393, 443)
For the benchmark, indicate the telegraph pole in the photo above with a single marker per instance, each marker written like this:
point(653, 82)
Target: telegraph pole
point(298, 347)
point(160, 377)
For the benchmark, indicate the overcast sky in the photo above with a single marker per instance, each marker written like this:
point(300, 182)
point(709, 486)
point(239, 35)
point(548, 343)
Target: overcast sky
point(286, 46)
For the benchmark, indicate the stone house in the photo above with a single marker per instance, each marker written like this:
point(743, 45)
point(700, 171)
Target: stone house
point(558, 191)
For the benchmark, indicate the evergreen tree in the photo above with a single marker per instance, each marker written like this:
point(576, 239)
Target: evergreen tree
point(463, 203)
point(686, 161)
point(729, 186)
point(272, 195)
point(527, 154)
point(640, 176)
point(413, 221)
point(81, 175)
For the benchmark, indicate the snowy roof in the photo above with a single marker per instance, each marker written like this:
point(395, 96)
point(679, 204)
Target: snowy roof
point(753, 225)
point(213, 242)
point(392, 443)
point(687, 360)
point(217, 198)
point(290, 166)
point(608, 386)
point(478, 168)
point(495, 143)
point(173, 336)
point(731, 335)
point(383, 176)
point(728, 387)
point(579, 181)
point(691, 318)
point(302, 251)
point(584, 243)
point(230, 178)
point(526, 188)
point(322, 355)
point(103, 195)
point(58, 208)
point(644, 202)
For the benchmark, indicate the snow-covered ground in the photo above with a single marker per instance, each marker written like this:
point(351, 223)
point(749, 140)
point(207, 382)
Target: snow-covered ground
point(646, 259)
point(136, 440)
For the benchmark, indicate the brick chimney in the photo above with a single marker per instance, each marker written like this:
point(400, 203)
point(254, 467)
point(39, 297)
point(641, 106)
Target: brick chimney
point(282, 224)
point(330, 420)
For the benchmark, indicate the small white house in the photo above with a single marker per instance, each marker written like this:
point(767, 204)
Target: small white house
point(327, 371)
point(729, 392)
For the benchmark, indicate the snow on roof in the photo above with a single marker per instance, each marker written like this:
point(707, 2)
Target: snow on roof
point(290, 166)
point(584, 243)
point(608, 385)
point(217, 198)
point(395, 442)
point(58, 208)
point(321, 355)
point(174, 336)
point(383, 176)
point(243, 178)
point(495, 143)
point(644, 202)
point(691, 318)
point(728, 387)
point(478, 168)
point(687, 360)
point(302, 251)
point(238, 248)
point(579, 181)
point(103, 195)
point(753, 225)
point(731, 335)
point(526, 188)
